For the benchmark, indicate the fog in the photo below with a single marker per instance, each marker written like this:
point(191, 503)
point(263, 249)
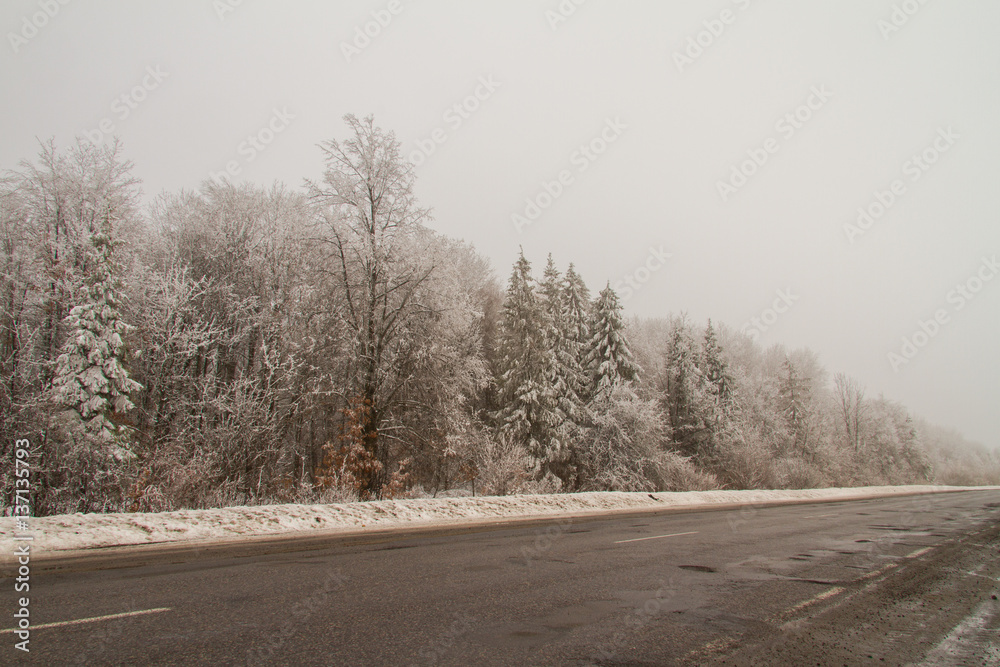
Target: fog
point(815, 174)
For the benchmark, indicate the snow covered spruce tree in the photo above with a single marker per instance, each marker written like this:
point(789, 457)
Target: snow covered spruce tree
point(564, 303)
point(576, 333)
point(565, 343)
point(715, 368)
point(609, 358)
point(91, 380)
point(686, 392)
point(553, 329)
point(627, 447)
point(529, 406)
point(795, 401)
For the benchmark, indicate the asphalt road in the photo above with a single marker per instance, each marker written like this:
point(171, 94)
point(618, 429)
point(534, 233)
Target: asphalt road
point(898, 581)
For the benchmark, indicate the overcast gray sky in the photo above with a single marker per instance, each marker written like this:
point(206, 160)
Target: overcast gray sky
point(626, 124)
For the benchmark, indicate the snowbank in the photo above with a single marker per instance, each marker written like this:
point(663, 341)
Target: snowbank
point(88, 531)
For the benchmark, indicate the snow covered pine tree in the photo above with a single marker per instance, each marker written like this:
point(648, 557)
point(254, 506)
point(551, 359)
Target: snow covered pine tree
point(92, 381)
point(529, 412)
point(610, 358)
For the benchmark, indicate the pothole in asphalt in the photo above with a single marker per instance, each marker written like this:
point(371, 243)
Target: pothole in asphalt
point(697, 568)
point(862, 541)
point(393, 547)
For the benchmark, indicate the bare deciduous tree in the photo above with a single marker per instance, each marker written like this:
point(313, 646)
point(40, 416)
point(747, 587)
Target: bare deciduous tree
point(850, 398)
point(369, 212)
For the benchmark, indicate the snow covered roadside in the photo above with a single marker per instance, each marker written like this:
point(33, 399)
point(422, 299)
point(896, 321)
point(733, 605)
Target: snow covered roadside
point(87, 531)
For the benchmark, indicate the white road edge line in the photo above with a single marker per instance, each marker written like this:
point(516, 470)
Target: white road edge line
point(656, 537)
point(90, 620)
point(813, 600)
point(836, 590)
point(877, 573)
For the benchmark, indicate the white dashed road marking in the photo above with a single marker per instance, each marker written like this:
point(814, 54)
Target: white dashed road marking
point(90, 620)
point(656, 537)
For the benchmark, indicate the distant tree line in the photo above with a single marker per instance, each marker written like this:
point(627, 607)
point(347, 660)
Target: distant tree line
point(245, 345)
